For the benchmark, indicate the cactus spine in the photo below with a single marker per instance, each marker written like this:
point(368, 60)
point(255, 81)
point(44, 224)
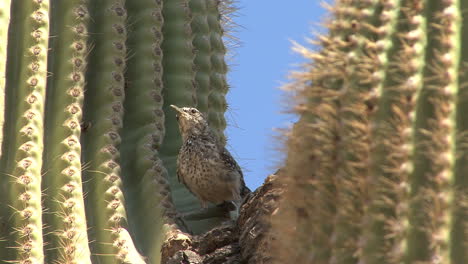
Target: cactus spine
point(382, 133)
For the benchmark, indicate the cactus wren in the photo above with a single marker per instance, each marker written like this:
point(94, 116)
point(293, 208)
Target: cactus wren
point(204, 165)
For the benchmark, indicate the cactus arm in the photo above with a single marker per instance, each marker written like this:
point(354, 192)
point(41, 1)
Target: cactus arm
point(145, 181)
point(434, 138)
point(22, 160)
point(67, 240)
point(103, 114)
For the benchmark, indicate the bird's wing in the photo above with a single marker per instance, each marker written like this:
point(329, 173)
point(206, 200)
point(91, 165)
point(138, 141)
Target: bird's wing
point(231, 163)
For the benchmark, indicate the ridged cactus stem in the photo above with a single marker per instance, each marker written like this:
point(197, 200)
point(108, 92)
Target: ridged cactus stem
point(209, 62)
point(319, 126)
point(67, 240)
point(103, 119)
point(22, 158)
point(354, 127)
point(210, 65)
point(308, 160)
point(179, 89)
point(218, 88)
point(4, 20)
point(387, 213)
point(146, 178)
point(202, 46)
point(434, 133)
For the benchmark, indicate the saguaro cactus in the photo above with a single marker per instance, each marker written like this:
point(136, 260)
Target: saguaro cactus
point(88, 142)
point(376, 165)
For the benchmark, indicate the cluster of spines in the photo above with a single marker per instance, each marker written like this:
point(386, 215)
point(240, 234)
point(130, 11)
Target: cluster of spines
point(66, 237)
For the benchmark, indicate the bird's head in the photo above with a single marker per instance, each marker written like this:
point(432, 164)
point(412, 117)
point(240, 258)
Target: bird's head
point(190, 120)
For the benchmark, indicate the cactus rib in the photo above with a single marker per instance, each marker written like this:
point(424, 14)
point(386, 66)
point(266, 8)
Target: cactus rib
point(103, 112)
point(434, 138)
point(218, 88)
point(387, 213)
point(65, 221)
point(354, 127)
point(26, 79)
point(179, 88)
point(147, 189)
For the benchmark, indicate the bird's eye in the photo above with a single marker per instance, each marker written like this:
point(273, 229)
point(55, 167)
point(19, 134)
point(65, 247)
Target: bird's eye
point(193, 111)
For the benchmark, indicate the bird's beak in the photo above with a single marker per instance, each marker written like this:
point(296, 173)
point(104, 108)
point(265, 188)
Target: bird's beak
point(177, 109)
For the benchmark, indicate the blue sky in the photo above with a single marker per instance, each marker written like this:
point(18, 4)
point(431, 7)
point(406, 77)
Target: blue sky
point(259, 67)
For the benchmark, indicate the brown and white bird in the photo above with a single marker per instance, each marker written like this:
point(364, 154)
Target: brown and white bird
point(204, 165)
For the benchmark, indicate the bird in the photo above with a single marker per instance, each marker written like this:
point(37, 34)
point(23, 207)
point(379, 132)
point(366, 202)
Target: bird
point(204, 165)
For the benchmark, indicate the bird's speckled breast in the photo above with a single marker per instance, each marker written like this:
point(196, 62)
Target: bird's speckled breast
point(203, 171)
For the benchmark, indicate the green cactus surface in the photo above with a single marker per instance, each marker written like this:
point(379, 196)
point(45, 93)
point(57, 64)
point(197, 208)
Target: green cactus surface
point(377, 163)
point(88, 142)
